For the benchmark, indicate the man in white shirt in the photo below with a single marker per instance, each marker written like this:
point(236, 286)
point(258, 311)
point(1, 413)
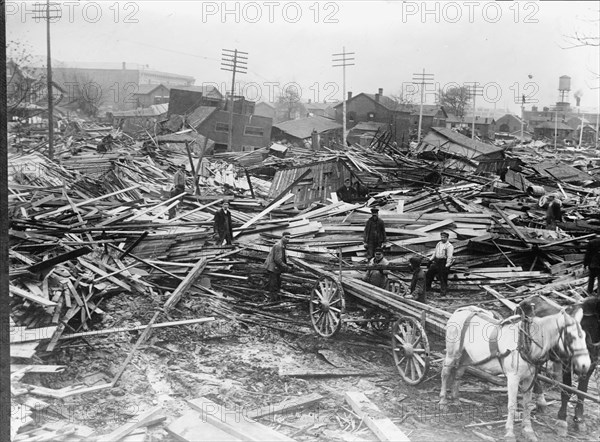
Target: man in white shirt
point(441, 260)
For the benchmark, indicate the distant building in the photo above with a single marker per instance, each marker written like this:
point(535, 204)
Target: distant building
point(114, 89)
point(314, 109)
point(547, 129)
point(140, 120)
point(184, 100)
point(484, 126)
point(434, 115)
point(250, 132)
point(264, 109)
point(150, 94)
point(299, 131)
point(509, 123)
point(376, 108)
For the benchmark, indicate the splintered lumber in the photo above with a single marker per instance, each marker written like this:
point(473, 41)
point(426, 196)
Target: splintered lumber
point(510, 223)
point(30, 296)
point(287, 405)
point(186, 283)
point(141, 339)
point(263, 213)
point(93, 200)
point(153, 415)
point(378, 423)
point(58, 259)
point(38, 368)
point(141, 327)
point(328, 372)
point(191, 427)
point(232, 422)
point(511, 305)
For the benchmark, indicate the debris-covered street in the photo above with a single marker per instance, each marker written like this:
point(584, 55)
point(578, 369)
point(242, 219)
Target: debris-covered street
point(196, 264)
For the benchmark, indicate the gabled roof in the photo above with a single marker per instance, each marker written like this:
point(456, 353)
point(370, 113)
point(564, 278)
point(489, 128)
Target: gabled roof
point(302, 128)
point(207, 90)
point(265, 103)
point(387, 102)
point(200, 114)
point(473, 145)
point(144, 89)
point(516, 117)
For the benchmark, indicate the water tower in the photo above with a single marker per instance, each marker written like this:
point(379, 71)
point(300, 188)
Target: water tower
point(564, 87)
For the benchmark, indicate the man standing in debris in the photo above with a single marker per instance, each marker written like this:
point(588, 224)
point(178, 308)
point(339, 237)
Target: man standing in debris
point(378, 277)
point(276, 264)
point(592, 260)
point(374, 234)
point(441, 260)
point(178, 188)
point(417, 283)
point(554, 211)
point(222, 224)
point(346, 193)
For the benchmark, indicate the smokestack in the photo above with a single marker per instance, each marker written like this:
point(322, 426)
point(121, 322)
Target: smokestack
point(577, 95)
point(380, 91)
point(349, 95)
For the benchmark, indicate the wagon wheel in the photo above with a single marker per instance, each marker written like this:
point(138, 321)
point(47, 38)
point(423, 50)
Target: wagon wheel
point(326, 306)
point(411, 350)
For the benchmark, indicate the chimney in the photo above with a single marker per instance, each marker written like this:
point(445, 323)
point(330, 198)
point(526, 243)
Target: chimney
point(124, 64)
point(349, 95)
point(534, 108)
point(577, 100)
point(380, 91)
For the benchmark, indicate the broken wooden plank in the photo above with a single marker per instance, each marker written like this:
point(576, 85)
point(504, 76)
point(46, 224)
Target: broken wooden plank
point(329, 372)
point(58, 259)
point(287, 405)
point(31, 297)
point(261, 214)
point(154, 415)
point(234, 423)
point(192, 427)
point(141, 327)
point(191, 277)
point(378, 423)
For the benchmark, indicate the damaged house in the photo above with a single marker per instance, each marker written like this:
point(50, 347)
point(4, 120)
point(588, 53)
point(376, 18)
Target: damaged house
point(456, 150)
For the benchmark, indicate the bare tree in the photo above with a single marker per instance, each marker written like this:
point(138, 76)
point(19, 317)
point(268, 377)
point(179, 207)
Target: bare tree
point(24, 83)
point(455, 100)
point(86, 94)
point(289, 101)
point(586, 38)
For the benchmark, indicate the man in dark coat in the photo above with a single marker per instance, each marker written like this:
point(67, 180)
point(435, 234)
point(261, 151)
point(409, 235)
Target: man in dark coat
point(592, 260)
point(276, 264)
point(178, 188)
point(222, 224)
point(378, 277)
point(417, 282)
point(374, 234)
point(346, 193)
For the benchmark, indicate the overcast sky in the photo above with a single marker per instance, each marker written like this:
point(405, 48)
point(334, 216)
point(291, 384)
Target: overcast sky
point(498, 45)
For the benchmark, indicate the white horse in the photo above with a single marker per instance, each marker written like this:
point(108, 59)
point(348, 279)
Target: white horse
point(512, 347)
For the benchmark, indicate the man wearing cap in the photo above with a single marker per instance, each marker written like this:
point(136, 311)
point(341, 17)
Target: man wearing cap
point(554, 211)
point(374, 234)
point(178, 188)
point(378, 277)
point(276, 264)
point(346, 193)
point(441, 260)
point(222, 224)
point(417, 282)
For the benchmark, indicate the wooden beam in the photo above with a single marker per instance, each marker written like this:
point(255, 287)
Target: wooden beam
point(154, 415)
point(378, 423)
point(286, 405)
point(58, 259)
point(263, 213)
point(30, 296)
point(191, 277)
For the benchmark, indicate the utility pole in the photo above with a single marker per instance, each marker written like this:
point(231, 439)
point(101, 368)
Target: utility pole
point(233, 61)
point(46, 16)
point(474, 91)
point(523, 102)
point(422, 80)
point(346, 58)
point(581, 128)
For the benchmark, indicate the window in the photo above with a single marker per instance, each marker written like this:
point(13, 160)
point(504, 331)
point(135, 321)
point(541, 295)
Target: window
point(254, 131)
point(371, 116)
point(249, 148)
point(222, 127)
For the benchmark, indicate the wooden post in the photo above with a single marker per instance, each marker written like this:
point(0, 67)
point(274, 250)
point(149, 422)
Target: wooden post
point(189, 152)
point(186, 284)
point(249, 182)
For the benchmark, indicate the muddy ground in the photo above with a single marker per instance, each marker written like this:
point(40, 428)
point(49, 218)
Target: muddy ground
point(237, 365)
